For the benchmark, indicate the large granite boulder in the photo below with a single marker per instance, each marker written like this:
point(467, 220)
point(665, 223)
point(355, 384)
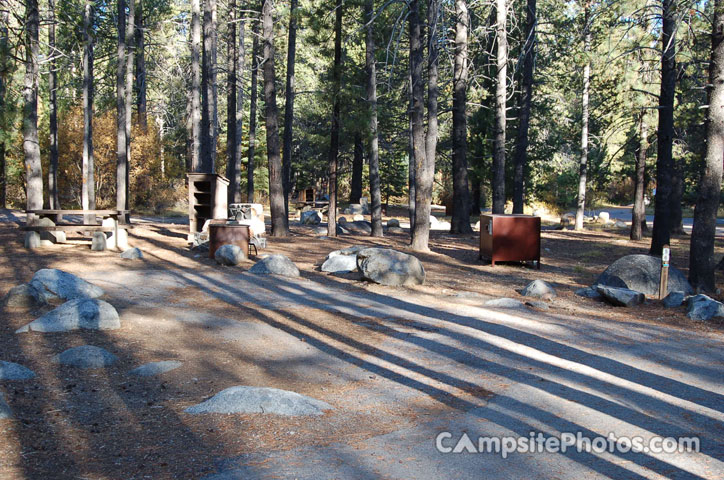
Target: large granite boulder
point(642, 273)
point(229, 255)
point(54, 285)
point(86, 356)
point(81, 313)
point(244, 399)
point(22, 297)
point(620, 297)
point(393, 222)
point(703, 308)
point(132, 254)
point(15, 371)
point(390, 267)
point(539, 289)
point(310, 217)
point(275, 265)
point(342, 261)
point(359, 227)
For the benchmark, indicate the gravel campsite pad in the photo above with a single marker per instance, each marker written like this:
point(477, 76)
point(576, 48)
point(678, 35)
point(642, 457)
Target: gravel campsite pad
point(397, 365)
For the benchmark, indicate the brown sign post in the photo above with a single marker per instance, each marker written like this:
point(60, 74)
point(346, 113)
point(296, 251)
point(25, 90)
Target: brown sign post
point(664, 284)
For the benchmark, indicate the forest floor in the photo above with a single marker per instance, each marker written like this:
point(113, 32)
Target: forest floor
point(399, 365)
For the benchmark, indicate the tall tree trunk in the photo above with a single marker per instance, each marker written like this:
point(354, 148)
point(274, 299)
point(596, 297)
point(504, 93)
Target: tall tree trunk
point(677, 220)
point(121, 132)
point(231, 106)
point(498, 183)
point(638, 215)
point(53, 111)
point(31, 147)
point(196, 134)
point(355, 195)
point(88, 193)
point(421, 230)
point(289, 105)
point(373, 139)
point(583, 164)
point(334, 133)
point(520, 157)
point(140, 54)
point(475, 193)
point(701, 253)
point(665, 136)
point(254, 97)
point(279, 219)
point(461, 195)
point(239, 115)
point(130, 27)
point(208, 161)
point(411, 164)
point(4, 72)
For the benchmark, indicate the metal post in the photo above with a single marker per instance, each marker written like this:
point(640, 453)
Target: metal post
point(664, 284)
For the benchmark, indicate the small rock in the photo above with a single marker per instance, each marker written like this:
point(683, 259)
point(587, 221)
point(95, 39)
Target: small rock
point(244, 399)
point(53, 284)
point(393, 222)
point(81, 313)
point(539, 289)
point(57, 236)
point(355, 209)
point(311, 217)
point(32, 240)
point(537, 305)
point(14, 371)
point(703, 308)
point(5, 411)
point(359, 227)
point(476, 227)
point(229, 255)
point(275, 265)
point(395, 230)
point(86, 356)
point(588, 292)
point(604, 217)
point(132, 254)
point(320, 230)
point(621, 297)
point(504, 303)
point(674, 299)
point(620, 224)
point(23, 296)
point(98, 244)
point(155, 368)
point(358, 218)
point(390, 267)
point(342, 220)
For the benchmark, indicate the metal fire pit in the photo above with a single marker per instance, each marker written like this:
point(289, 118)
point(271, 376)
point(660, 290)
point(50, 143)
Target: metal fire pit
point(510, 238)
point(228, 234)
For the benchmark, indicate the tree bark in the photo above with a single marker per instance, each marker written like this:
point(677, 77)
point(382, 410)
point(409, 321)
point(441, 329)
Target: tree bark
point(208, 160)
point(411, 165)
point(520, 157)
point(231, 107)
point(196, 135)
point(334, 133)
point(460, 222)
point(373, 152)
point(355, 195)
point(501, 89)
point(422, 141)
point(88, 195)
point(121, 132)
point(130, 60)
point(31, 146)
point(140, 55)
point(638, 215)
point(661, 234)
point(701, 253)
point(279, 219)
point(583, 164)
point(4, 72)
point(252, 113)
point(53, 202)
point(240, 66)
point(289, 104)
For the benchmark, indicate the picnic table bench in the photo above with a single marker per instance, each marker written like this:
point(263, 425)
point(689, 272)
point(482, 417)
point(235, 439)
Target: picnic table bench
point(78, 227)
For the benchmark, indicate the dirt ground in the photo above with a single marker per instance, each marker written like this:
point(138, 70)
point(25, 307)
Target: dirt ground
point(104, 424)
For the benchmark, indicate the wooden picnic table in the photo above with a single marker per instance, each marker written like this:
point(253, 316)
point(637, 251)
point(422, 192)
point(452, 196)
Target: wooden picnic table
point(77, 227)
